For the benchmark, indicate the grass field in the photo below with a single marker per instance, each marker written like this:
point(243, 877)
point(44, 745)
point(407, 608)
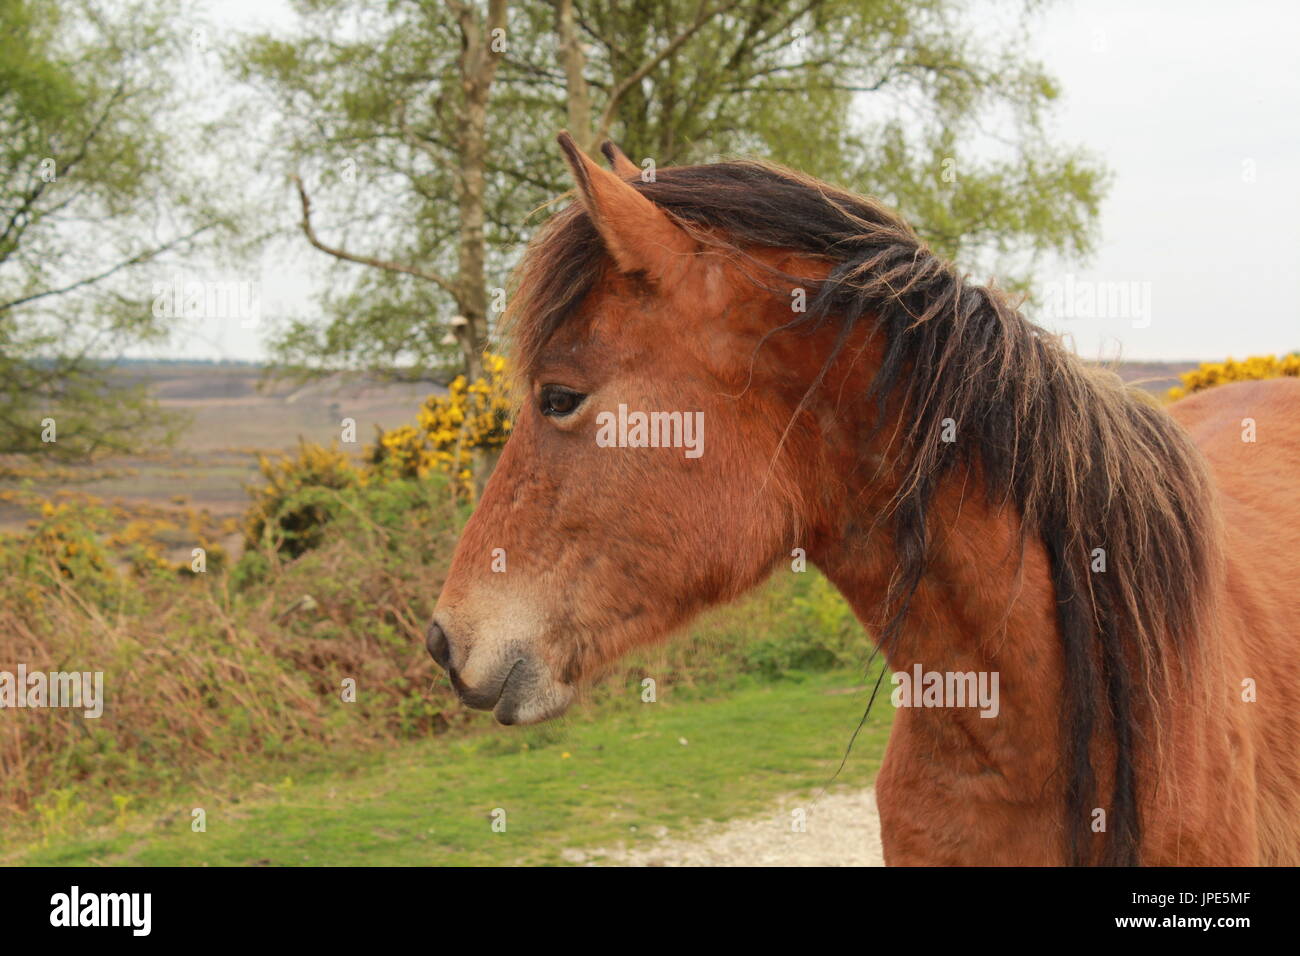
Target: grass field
point(619, 773)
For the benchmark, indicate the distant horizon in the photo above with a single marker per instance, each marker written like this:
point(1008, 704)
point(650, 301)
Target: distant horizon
point(267, 363)
point(200, 360)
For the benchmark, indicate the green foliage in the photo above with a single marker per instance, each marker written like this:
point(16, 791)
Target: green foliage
point(817, 631)
point(197, 672)
point(96, 193)
point(60, 814)
point(471, 418)
point(97, 553)
point(61, 548)
point(297, 499)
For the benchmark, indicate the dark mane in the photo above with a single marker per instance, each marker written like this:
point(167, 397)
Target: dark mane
point(1087, 462)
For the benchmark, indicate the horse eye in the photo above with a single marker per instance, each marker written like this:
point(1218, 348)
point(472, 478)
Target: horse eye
point(558, 401)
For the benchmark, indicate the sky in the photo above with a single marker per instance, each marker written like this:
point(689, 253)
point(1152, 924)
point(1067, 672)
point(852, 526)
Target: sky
point(1195, 109)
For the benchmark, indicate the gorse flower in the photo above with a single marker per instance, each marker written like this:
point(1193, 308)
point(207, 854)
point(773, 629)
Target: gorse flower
point(283, 513)
point(1219, 373)
point(449, 428)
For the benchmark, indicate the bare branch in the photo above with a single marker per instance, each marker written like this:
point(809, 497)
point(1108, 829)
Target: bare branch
point(386, 265)
point(125, 264)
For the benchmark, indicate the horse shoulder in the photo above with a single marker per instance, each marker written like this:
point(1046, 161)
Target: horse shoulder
point(1250, 434)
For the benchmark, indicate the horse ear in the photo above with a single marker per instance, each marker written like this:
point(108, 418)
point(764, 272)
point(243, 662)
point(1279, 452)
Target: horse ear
point(639, 235)
point(618, 161)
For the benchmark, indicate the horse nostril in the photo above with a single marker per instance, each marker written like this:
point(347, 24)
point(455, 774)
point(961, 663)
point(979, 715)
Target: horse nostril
point(439, 648)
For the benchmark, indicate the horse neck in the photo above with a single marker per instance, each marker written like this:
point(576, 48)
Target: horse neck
point(984, 604)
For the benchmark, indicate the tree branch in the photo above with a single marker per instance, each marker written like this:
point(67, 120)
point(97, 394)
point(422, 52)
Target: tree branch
point(125, 264)
point(386, 265)
point(644, 70)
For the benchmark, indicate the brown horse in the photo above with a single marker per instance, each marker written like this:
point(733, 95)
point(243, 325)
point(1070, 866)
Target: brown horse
point(985, 501)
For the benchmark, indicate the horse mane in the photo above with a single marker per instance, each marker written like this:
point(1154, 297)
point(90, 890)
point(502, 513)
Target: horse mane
point(1087, 462)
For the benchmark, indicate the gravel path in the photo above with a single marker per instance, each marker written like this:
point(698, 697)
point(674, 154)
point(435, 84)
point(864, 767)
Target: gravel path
point(841, 829)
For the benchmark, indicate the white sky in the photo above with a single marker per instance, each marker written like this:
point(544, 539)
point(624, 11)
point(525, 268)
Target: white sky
point(1183, 100)
point(1194, 106)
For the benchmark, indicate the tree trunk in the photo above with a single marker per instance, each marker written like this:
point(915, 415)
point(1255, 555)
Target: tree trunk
point(483, 43)
point(577, 95)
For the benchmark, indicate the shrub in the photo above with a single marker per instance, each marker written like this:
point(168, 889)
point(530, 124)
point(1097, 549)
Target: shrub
point(197, 673)
point(1210, 374)
point(61, 547)
point(99, 550)
point(290, 510)
point(815, 630)
point(450, 428)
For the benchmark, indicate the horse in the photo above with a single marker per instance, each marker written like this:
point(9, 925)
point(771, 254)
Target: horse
point(985, 501)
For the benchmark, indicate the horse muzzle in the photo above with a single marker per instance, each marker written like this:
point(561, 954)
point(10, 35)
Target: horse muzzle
point(515, 684)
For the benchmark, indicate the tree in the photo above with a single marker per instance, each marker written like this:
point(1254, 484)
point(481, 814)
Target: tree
point(890, 98)
point(94, 200)
point(456, 141)
point(388, 114)
point(428, 148)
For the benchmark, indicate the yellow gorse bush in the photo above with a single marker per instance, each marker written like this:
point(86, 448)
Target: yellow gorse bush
point(1254, 368)
point(277, 516)
point(292, 506)
point(472, 415)
point(60, 543)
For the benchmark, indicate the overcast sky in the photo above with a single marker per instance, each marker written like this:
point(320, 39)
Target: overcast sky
point(1195, 108)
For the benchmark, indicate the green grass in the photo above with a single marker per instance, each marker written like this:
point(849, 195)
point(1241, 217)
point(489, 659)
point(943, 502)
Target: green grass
point(601, 777)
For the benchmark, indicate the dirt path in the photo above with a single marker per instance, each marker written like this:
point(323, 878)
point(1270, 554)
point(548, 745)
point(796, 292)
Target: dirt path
point(841, 829)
